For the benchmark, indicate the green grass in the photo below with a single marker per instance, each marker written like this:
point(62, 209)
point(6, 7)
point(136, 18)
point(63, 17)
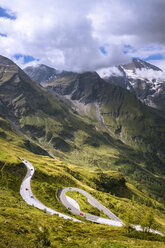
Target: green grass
point(30, 227)
point(84, 205)
point(142, 171)
point(25, 226)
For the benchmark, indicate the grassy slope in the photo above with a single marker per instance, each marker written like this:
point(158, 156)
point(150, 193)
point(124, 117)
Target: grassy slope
point(139, 125)
point(130, 163)
point(125, 118)
point(54, 126)
point(29, 227)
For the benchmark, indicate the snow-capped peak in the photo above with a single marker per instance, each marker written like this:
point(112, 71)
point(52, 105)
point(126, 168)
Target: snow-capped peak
point(146, 81)
point(139, 69)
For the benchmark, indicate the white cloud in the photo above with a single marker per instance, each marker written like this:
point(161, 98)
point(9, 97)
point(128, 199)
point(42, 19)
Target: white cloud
point(67, 34)
point(145, 52)
point(150, 74)
point(110, 71)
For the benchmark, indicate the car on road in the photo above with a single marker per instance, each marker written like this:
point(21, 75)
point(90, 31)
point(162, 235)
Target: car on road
point(26, 188)
point(32, 196)
point(81, 214)
point(69, 208)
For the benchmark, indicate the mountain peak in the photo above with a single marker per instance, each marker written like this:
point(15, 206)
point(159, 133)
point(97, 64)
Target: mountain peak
point(41, 73)
point(140, 64)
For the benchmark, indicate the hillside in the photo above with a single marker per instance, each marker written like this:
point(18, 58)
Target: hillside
point(106, 128)
point(30, 227)
point(100, 137)
point(115, 109)
point(36, 113)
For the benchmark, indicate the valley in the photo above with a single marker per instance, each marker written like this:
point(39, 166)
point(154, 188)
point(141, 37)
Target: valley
point(104, 140)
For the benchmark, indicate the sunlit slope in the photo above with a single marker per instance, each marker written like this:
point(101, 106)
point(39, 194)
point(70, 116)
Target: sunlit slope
point(115, 109)
point(38, 114)
point(31, 226)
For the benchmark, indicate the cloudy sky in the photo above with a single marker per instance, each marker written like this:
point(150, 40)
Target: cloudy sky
point(82, 34)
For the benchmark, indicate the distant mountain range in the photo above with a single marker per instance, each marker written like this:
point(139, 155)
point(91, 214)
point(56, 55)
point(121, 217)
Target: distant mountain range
point(139, 77)
point(115, 108)
point(113, 101)
point(53, 114)
point(75, 102)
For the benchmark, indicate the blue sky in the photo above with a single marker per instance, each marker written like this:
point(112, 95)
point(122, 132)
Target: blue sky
point(3, 35)
point(103, 50)
point(5, 13)
point(25, 58)
point(157, 56)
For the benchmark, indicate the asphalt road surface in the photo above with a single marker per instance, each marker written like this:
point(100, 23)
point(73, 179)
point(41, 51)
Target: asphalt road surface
point(70, 204)
point(111, 220)
point(27, 195)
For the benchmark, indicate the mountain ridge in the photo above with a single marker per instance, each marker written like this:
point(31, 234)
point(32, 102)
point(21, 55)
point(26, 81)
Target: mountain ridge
point(41, 73)
point(88, 88)
point(144, 80)
point(140, 64)
point(137, 77)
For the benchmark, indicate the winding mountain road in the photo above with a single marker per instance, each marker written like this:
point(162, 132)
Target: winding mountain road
point(27, 195)
point(69, 203)
point(113, 219)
